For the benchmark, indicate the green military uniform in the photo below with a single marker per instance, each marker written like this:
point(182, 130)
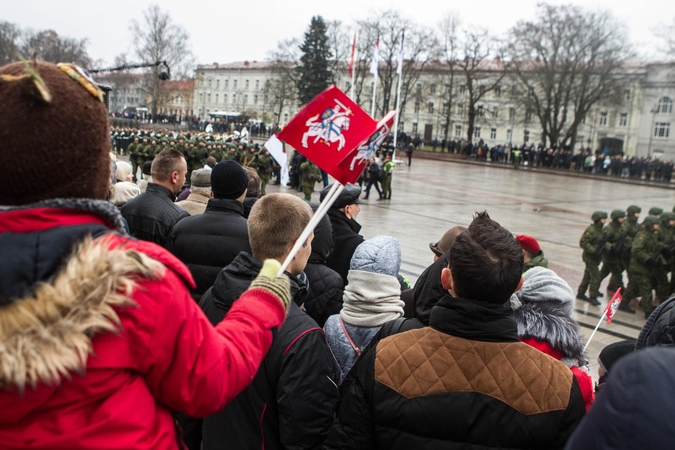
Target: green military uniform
point(231, 153)
point(310, 175)
point(265, 163)
point(611, 260)
point(591, 242)
point(642, 263)
point(630, 228)
point(666, 242)
point(249, 159)
point(538, 261)
point(387, 170)
point(132, 150)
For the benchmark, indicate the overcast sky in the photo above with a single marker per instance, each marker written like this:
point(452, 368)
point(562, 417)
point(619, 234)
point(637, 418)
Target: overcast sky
point(237, 30)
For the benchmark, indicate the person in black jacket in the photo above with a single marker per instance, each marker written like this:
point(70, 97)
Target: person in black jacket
point(327, 286)
point(208, 242)
point(152, 214)
point(291, 402)
point(342, 215)
point(466, 380)
point(373, 171)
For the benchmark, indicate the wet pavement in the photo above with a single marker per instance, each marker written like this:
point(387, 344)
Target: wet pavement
point(432, 196)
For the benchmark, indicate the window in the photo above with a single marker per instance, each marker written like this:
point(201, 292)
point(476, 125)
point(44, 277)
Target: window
point(209, 82)
point(217, 83)
point(419, 88)
point(234, 84)
point(623, 119)
point(480, 111)
point(285, 117)
point(430, 107)
point(414, 130)
point(512, 114)
point(498, 91)
point(493, 133)
point(509, 134)
point(603, 119)
point(528, 116)
point(446, 108)
point(665, 105)
point(234, 99)
point(246, 85)
point(626, 95)
point(216, 97)
point(257, 84)
point(417, 107)
point(208, 97)
point(201, 98)
point(477, 132)
point(526, 136)
point(460, 109)
point(255, 99)
point(226, 82)
point(246, 98)
point(458, 130)
point(662, 129)
point(224, 98)
point(462, 88)
point(432, 89)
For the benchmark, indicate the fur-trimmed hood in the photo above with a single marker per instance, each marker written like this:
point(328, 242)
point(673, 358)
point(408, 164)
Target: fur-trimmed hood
point(47, 334)
point(554, 326)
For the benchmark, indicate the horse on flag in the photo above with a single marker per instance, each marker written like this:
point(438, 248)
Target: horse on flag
point(328, 126)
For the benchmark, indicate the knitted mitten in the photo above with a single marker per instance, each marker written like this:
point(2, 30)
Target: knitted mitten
point(267, 280)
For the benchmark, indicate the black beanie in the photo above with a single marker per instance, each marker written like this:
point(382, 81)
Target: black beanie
point(228, 180)
point(51, 148)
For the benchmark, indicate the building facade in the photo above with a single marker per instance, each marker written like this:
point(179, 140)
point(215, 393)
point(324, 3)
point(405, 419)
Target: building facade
point(639, 124)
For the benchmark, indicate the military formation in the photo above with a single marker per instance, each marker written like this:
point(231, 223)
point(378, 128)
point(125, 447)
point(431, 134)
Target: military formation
point(645, 251)
point(144, 145)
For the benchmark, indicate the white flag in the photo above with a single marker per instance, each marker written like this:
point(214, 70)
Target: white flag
point(376, 58)
point(276, 149)
point(399, 69)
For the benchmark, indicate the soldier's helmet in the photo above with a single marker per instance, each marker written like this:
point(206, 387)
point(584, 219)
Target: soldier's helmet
point(634, 209)
point(597, 215)
point(655, 211)
point(666, 217)
point(650, 221)
point(617, 213)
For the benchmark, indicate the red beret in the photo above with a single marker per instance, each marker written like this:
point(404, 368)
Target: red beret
point(528, 243)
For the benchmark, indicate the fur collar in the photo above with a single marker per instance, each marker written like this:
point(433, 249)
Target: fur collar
point(554, 327)
point(48, 335)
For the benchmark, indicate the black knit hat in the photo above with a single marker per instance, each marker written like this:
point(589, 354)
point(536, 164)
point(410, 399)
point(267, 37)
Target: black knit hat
point(613, 352)
point(54, 142)
point(228, 180)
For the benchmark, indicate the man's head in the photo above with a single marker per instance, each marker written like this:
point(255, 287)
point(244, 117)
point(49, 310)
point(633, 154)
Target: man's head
point(274, 224)
point(229, 180)
point(633, 211)
point(651, 222)
point(200, 182)
point(485, 262)
point(53, 145)
point(618, 215)
point(443, 245)
point(254, 183)
point(169, 169)
point(348, 200)
point(529, 245)
point(668, 219)
point(655, 211)
point(599, 217)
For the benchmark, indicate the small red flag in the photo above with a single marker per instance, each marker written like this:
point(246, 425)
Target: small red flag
point(328, 128)
point(351, 60)
point(354, 163)
point(613, 305)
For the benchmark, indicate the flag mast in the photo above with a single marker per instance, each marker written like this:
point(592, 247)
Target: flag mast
point(352, 72)
point(374, 66)
point(399, 69)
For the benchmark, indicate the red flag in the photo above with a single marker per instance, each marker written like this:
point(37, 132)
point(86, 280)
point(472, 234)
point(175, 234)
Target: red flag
point(328, 128)
point(354, 163)
point(351, 60)
point(613, 305)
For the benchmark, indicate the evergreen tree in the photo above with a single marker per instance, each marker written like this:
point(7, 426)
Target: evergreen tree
point(313, 74)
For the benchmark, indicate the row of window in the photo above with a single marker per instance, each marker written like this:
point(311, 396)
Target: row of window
point(208, 83)
point(217, 98)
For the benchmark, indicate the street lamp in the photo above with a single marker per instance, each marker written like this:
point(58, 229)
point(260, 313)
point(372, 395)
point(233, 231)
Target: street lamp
point(654, 111)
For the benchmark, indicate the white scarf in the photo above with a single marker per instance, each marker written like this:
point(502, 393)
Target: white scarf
point(371, 299)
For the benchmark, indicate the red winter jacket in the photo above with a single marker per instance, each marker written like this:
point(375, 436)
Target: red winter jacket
point(164, 356)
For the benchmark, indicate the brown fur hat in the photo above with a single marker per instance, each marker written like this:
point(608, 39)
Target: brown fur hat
point(56, 149)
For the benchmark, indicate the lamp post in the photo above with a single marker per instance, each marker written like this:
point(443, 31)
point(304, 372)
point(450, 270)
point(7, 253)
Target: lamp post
point(654, 111)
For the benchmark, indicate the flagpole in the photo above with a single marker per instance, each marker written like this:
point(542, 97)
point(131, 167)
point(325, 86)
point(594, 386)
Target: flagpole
point(327, 202)
point(354, 62)
point(372, 108)
point(398, 104)
point(604, 313)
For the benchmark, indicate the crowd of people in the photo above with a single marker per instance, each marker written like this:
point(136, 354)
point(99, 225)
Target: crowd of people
point(137, 320)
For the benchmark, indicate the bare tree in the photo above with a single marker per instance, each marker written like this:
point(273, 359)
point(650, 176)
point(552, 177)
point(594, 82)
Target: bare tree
point(9, 42)
point(481, 73)
point(340, 47)
point(449, 29)
point(564, 63)
point(667, 33)
point(51, 47)
point(281, 89)
point(158, 38)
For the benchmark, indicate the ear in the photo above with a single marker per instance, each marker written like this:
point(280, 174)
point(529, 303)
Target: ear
point(520, 283)
point(446, 279)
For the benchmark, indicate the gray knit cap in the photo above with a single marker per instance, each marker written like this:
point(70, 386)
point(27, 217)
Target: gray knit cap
point(544, 285)
point(381, 254)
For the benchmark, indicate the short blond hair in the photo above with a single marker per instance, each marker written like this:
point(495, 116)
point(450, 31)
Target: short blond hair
point(275, 223)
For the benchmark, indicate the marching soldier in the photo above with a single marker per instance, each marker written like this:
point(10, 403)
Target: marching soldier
point(667, 244)
point(645, 256)
point(265, 163)
point(611, 259)
point(593, 244)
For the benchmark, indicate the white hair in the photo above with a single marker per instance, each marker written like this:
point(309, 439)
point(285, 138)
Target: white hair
point(123, 170)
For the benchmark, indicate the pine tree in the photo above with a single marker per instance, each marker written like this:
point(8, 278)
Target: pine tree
point(313, 74)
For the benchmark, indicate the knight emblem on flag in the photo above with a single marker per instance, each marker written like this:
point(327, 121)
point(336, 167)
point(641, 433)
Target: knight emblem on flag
point(328, 127)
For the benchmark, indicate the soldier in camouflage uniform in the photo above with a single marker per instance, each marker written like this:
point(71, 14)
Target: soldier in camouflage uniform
point(230, 153)
point(310, 175)
point(132, 150)
point(667, 244)
point(630, 228)
point(611, 260)
point(387, 174)
point(250, 158)
point(592, 244)
point(265, 164)
point(655, 211)
point(643, 261)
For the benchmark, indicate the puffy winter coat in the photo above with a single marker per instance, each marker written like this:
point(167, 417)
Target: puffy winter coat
point(208, 242)
point(291, 402)
point(347, 238)
point(327, 286)
point(152, 214)
point(115, 343)
point(466, 381)
point(659, 330)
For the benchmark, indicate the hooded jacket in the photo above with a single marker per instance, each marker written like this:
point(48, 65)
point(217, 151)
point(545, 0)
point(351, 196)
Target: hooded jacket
point(291, 401)
point(99, 334)
point(347, 238)
point(659, 330)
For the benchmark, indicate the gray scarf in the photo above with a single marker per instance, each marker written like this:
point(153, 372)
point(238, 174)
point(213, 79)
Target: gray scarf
point(371, 299)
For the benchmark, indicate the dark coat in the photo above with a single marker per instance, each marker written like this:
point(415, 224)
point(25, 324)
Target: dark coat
point(292, 399)
point(465, 381)
point(208, 242)
point(327, 286)
point(152, 215)
point(347, 238)
point(635, 408)
point(659, 330)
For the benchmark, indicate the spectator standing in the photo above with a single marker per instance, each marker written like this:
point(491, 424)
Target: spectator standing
point(532, 252)
point(124, 190)
point(373, 171)
point(200, 192)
